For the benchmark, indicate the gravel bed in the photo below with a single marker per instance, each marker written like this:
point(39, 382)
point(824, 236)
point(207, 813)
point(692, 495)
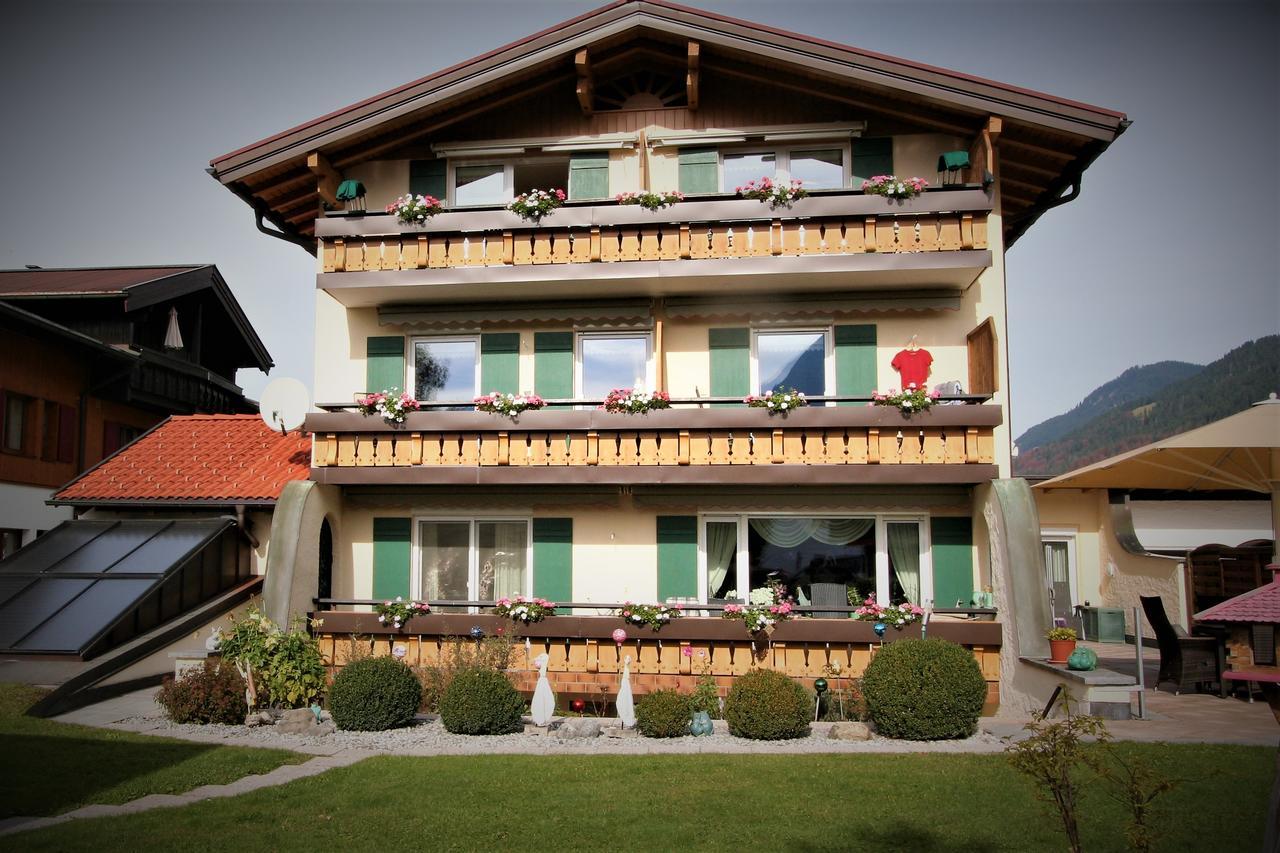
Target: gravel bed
point(428, 737)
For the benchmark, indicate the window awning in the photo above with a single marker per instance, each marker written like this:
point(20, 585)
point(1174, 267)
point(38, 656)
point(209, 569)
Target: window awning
point(87, 585)
point(604, 313)
point(810, 304)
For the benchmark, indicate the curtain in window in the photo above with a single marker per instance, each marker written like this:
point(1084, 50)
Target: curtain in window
point(722, 548)
point(1055, 560)
point(502, 567)
point(790, 532)
point(904, 551)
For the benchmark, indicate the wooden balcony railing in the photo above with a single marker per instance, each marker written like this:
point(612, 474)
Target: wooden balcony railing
point(706, 230)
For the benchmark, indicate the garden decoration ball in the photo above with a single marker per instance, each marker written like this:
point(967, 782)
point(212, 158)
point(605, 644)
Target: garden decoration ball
point(399, 651)
point(619, 636)
point(820, 685)
point(577, 706)
point(1082, 659)
point(878, 628)
point(477, 633)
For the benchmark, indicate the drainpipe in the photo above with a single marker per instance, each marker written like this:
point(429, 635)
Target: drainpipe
point(261, 212)
point(244, 526)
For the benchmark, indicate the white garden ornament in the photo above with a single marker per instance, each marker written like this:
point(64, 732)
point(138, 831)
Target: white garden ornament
point(543, 707)
point(626, 705)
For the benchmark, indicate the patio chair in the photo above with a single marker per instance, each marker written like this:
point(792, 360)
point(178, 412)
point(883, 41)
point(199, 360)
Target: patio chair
point(1186, 661)
point(832, 595)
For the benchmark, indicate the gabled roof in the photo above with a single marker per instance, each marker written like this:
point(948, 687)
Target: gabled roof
point(84, 281)
point(268, 174)
point(1256, 605)
point(195, 460)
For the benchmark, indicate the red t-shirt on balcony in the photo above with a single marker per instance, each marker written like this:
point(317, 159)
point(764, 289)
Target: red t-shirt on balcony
point(913, 366)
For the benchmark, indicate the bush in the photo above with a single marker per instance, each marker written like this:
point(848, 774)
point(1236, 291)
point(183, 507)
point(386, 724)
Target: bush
point(493, 652)
point(213, 693)
point(924, 690)
point(285, 667)
point(664, 713)
point(766, 705)
point(374, 694)
point(481, 702)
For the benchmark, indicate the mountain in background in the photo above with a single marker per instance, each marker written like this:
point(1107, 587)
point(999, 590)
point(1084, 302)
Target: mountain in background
point(1146, 404)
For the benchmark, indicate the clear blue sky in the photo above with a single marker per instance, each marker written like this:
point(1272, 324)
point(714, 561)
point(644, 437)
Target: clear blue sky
point(113, 110)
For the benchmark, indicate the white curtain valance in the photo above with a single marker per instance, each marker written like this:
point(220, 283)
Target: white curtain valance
point(790, 532)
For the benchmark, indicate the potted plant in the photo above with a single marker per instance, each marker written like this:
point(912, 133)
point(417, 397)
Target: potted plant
point(1062, 642)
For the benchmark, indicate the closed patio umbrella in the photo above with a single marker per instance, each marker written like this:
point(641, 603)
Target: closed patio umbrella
point(173, 335)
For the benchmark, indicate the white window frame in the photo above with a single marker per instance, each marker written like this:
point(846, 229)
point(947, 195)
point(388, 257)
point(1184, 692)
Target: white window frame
point(578, 338)
point(782, 161)
point(508, 165)
point(411, 363)
point(828, 358)
point(473, 555)
point(1066, 535)
point(743, 562)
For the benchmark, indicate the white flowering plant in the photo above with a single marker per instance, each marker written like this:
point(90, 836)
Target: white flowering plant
point(396, 613)
point(909, 400)
point(894, 615)
point(392, 407)
point(653, 615)
point(535, 204)
point(775, 194)
point(779, 401)
point(891, 186)
point(759, 618)
point(631, 402)
point(510, 405)
point(651, 200)
point(527, 610)
point(414, 209)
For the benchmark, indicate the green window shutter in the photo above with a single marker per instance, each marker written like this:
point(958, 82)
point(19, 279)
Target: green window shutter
point(699, 170)
point(553, 558)
point(553, 365)
point(855, 361)
point(952, 540)
point(730, 362)
point(384, 363)
point(871, 157)
point(589, 175)
point(391, 539)
point(500, 363)
point(677, 556)
point(427, 177)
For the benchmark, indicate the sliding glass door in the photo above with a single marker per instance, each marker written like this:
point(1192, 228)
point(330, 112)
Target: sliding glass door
point(472, 559)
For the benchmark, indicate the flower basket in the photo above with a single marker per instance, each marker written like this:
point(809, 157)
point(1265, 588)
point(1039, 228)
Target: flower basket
point(392, 407)
point(510, 405)
point(908, 401)
point(626, 401)
point(651, 200)
point(778, 401)
point(776, 195)
point(414, 209)
point(893, 187)
point(535, 204)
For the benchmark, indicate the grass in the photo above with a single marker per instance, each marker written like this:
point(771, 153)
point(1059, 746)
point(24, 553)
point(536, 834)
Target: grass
point(921, 802)
point(47, 768)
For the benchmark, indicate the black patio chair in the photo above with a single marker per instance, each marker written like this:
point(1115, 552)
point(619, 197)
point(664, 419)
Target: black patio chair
point(831, 595)
point(1186, 661)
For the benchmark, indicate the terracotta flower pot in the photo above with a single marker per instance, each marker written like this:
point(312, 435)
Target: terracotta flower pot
point(1060, 650)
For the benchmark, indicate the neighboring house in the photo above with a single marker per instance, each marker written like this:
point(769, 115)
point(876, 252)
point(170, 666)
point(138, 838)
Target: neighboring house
point(91, 358)
point(710, 299)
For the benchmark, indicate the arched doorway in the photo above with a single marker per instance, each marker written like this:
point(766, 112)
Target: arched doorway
point(324, 585)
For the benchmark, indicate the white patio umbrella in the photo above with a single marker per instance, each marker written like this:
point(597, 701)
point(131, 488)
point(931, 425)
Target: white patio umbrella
point(173, 335)
point(543, 707)
point(1240, 452)
point(626, 705)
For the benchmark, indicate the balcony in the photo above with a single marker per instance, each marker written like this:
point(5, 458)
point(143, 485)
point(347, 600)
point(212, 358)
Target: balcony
point(937, 240)
point(817, 445)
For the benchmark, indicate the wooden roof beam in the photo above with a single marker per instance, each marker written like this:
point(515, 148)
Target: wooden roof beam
point(691, 78)
point(1036, 149)
point(586, 83)
point(327, 177)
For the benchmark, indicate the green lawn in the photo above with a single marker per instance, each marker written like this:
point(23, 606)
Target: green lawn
point(891, 803)
point(47, 768)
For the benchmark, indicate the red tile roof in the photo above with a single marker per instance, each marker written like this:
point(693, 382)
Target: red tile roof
point(1256, 605)
point(100, 280)
point(223, 459)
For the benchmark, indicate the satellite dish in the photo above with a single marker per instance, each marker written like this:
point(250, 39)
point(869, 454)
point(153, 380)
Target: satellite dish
point(284, 404)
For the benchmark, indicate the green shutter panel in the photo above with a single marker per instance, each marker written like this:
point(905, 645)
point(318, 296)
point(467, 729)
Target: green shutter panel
point(871, 157)
point(855, 361)
point(384, 364)
point(391, 537)
point(730, 362)
point(952, 540)
point(699, 170)
point(553, 365)
point(553, 558)
point(427, 177)
point(500, 363)
point(589, 175)
point(677, 556)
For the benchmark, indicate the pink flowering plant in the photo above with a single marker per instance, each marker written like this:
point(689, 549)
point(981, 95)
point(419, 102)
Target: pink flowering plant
point(909, 400)
point(527, 610)
point(414, 209)
point(628, 401)
point(894, 615)
point(759, 618)
point(535, 204)
point(392, 407)
point(775, 193)
point(653, 615)
point(510, 405)
point(651, 200)
point(397, 613)
point(891, 186)
point(779, 401)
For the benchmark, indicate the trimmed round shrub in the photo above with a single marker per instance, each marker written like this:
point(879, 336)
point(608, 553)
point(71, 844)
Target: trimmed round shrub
point(213, 693)
point(481, 702)
point(374, 694)
point(924, 690)
point(664, 713)
point(766, 705)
